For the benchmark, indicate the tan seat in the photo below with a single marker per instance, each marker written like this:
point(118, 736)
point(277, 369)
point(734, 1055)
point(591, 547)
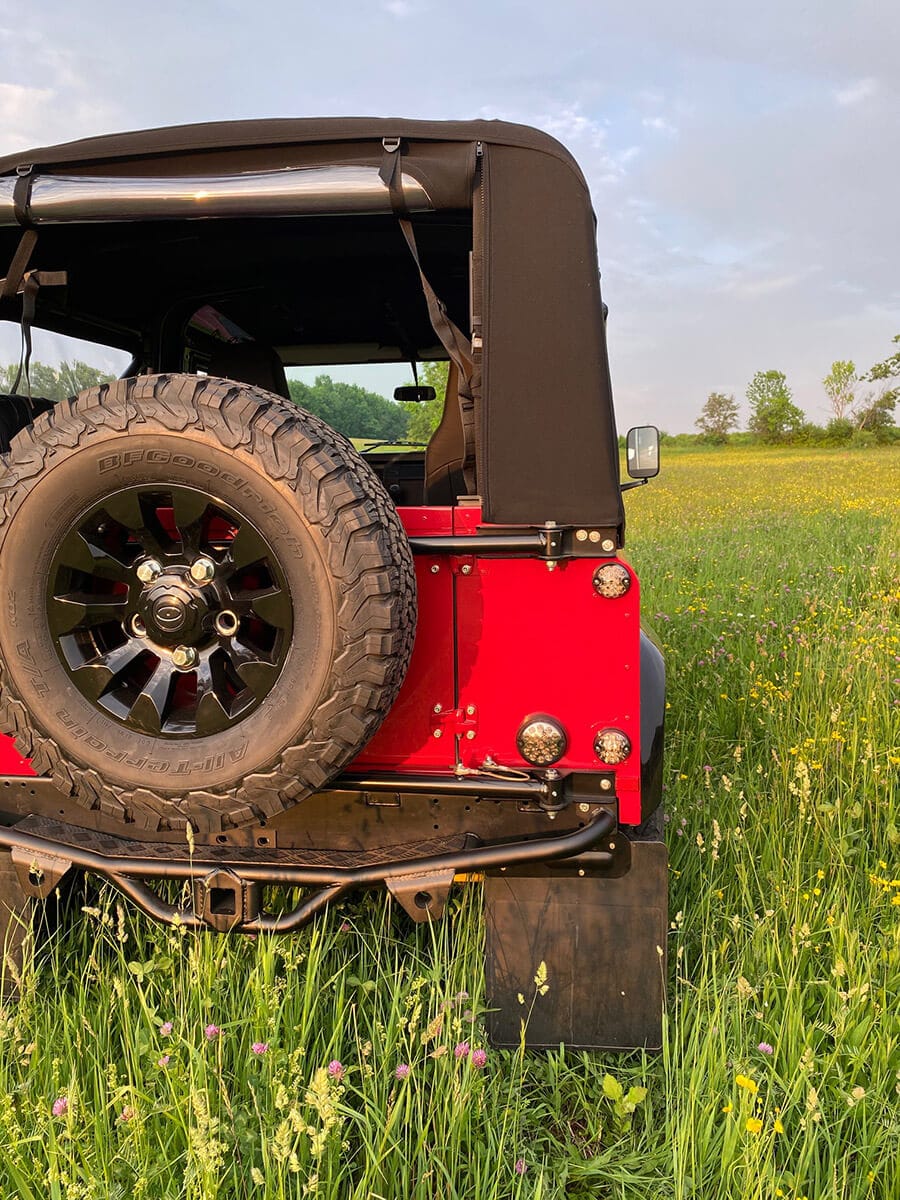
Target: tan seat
point(250, 362)
point(445, 454)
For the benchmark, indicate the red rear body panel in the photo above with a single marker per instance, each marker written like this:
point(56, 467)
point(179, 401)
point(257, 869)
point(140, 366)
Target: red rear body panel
point(527, 640)
point(500, 639)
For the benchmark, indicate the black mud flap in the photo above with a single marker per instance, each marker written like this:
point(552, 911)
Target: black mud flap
point(603, 941)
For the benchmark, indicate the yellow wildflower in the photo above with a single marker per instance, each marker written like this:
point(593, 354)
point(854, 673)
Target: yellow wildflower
point(726, 1108)
point(754, 1125)
point(748, 1084)
point(778, 1127)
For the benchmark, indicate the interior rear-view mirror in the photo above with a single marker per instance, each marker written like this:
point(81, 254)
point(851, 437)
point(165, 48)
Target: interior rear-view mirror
point(414, 394)
point(642, 452)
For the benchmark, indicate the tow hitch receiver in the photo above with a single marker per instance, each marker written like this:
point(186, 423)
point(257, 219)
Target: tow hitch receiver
point(602, 937)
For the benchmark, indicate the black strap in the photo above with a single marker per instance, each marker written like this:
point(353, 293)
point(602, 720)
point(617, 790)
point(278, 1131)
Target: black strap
point(10, 286)
point(450, 335)
point(31, 285)
point(22, 194)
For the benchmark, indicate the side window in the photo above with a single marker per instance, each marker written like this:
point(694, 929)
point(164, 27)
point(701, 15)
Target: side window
point(60, 366)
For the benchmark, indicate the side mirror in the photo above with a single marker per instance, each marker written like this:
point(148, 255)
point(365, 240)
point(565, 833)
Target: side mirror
point(642, 452)
point(414, 395)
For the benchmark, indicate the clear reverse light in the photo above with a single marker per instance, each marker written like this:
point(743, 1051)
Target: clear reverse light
point(542, 741)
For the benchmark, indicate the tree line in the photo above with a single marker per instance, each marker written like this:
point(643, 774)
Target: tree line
point(862, 406)
point(859, 412)
point(348, 408)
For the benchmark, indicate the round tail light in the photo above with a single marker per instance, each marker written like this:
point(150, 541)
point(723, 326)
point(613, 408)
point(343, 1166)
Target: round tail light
point(612, 746)
point(612, 580)
point(541, 741)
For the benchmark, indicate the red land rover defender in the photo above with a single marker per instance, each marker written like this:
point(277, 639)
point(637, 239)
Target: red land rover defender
point(237, 652)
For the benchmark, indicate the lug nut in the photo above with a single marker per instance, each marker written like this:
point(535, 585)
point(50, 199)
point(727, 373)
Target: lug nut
point(138, 628)
point(184, 657)
point(149, 570)
point(203, 570)
point(226, 622)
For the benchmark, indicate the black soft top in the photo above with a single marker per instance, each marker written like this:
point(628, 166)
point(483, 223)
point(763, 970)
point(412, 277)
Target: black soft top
point(544, 423)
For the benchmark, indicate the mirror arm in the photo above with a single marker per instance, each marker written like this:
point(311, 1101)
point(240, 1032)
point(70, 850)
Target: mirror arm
point(626, 487)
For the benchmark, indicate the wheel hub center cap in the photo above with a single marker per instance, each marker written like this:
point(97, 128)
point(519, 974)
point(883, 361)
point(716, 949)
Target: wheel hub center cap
point(170, 613)
point(173, 611)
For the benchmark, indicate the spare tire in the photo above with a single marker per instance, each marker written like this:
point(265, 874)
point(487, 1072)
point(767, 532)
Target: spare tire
point(208, 601)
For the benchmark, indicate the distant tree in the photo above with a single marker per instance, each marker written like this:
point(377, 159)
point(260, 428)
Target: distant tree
point(840, 388)
point(889, 369)
point(718, 417)
point(54, 383)
point(424, 418)
point(876, 410)
point(351, 409)
point(774, 417)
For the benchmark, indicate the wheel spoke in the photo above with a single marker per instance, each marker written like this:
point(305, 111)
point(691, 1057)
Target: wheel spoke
point(211, 715)
point(274, 608)
point(247, 547)
point(137, 512)
point(79, 553)
point(241, 653)
point(69, 611)
point(95, 676)
point(259, 676)
point(190, 509)
point(148, 712)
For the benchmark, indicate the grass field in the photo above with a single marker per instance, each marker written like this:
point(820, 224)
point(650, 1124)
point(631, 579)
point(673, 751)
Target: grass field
point(344, 1062)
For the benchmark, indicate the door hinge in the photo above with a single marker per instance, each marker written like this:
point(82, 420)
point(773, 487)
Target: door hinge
point(457, 722)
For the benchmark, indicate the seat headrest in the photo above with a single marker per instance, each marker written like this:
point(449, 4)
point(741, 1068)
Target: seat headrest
point(250, 362)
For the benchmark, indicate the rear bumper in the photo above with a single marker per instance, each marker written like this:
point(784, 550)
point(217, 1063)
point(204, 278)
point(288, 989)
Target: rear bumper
point(228, 880)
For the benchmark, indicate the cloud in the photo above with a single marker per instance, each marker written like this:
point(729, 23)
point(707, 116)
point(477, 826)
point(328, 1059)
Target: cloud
point(400, 8)
point(570, 124)
point(22, 109)
point(750, 288)
point(66, 105)
point(855, 93)
point(660, 124)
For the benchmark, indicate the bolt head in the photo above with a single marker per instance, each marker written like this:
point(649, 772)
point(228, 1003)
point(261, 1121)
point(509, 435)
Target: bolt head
point(471, 735)
point(184, 657)
point(438, 708)
point(149, 570)
point(434, 568)
point(609, 545)
point(437, 732)
point(584, 808)
point(605, 785)
point(203, 570)
point(466, 569)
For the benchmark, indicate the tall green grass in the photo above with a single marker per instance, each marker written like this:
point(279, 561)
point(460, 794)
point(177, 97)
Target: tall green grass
point(771, 578)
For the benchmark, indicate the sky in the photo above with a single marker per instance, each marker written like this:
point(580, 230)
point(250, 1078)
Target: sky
point(742, 158)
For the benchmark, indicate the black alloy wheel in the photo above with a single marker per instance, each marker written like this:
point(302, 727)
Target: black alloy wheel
point(169, 610)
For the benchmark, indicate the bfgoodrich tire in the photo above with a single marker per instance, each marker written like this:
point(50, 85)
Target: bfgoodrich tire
point(208, 601)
